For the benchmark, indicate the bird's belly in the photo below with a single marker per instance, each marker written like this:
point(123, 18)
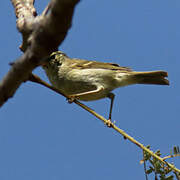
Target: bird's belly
point(73, 88)
point(85, 81)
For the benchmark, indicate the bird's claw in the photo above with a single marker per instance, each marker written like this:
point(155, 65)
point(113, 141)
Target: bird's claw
point(108, 123)
point(71, 99)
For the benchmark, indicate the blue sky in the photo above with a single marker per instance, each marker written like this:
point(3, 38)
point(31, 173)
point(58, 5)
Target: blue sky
point(44, 137)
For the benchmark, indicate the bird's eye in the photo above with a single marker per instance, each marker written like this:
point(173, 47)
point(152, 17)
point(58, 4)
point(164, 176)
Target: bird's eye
point(59, 63)
point(53, 56)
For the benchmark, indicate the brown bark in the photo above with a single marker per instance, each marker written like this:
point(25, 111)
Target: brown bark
point(41, 36)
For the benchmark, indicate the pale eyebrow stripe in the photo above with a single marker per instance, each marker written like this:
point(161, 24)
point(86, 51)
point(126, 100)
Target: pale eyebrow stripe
point(88, 63)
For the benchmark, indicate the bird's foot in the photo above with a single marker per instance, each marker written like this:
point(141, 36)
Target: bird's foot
point(71, 99)
point(108, 123)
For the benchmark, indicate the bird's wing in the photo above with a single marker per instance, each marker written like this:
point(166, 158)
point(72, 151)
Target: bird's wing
point(84, 64)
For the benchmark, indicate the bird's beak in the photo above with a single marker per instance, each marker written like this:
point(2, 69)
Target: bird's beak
point(44, 61)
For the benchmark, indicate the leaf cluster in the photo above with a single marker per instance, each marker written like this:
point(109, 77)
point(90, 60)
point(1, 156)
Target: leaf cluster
point(161, 170)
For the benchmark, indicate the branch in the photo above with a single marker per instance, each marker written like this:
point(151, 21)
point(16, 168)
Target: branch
point(36, 79)
point(41, 36)
point(25, 13)
point(171, 156)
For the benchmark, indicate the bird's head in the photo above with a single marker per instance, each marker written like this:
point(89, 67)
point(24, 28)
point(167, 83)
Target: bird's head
point(55, 60)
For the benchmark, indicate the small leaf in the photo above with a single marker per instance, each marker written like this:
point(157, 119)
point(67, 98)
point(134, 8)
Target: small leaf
point(158, 152)
point(175, 150)
point(169, 177)
point(149, 171)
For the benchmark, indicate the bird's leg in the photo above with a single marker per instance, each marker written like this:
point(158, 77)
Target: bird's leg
point(111, 97)
point(72, 97)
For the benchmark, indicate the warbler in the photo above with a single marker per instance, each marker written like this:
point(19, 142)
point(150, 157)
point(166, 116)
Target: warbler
point(91, 80)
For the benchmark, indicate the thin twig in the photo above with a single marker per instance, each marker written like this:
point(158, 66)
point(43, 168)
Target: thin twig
point(145, 170)
point(170, 156)
point(124, 134)
point(177, 175)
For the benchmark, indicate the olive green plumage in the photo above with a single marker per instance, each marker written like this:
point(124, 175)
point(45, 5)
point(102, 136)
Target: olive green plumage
point(92, 80)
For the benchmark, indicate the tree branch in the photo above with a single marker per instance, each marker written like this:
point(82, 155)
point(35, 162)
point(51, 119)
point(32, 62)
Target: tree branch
point(25, 13)
point(36, 79)
point(41, 36)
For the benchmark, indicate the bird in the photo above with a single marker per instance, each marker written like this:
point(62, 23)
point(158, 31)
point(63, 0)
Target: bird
point(88, 80)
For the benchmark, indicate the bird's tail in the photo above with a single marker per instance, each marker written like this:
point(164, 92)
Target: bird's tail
point(152, 77)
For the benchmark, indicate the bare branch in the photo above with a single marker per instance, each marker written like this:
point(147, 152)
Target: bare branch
point(171, 156)
point(17, 74)
point(36, 79)
point(41, 35)
point(24, 8)
point(25, 13)
point(53, 26)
